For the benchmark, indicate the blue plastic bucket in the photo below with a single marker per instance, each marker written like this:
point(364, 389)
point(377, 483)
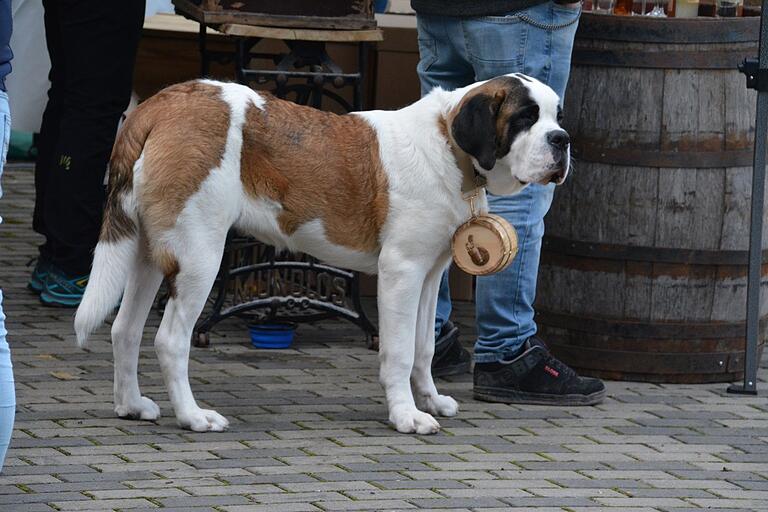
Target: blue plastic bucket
point(272, 335)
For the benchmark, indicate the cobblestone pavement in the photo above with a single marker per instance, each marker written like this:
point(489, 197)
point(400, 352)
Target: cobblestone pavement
point(309, 429)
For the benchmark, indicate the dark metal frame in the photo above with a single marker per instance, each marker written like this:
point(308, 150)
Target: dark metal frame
point(293, 307)
point(756, 71)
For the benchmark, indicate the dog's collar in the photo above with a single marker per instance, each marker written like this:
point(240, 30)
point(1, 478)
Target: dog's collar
point(471, 179)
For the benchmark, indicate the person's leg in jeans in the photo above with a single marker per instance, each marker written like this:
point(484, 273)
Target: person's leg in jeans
point(97, 41)
point(7, 389)
point(538, 42)
point(456, 52)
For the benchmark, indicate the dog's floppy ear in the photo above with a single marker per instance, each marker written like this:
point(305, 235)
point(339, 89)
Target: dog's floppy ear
point(474, 128)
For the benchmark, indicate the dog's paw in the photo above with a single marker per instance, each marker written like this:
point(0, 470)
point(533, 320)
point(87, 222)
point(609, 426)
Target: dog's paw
point(203, 420)
point(144, 409)
point(414, 421)
point(439, 405)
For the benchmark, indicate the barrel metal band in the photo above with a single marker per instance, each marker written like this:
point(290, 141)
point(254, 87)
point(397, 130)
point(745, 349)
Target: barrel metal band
point(641, 29)
point(668, 59)
point(654, 158)
point(645, 254)
point(644, 329)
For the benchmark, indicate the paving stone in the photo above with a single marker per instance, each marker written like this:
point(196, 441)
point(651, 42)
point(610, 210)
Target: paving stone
point(605, 509)
point(75, 486)
point(365, 505)
point(500, 492)
point(420, 484)
point(220, 490)
point(354, 485)
point(177, 509)
point(601, 483)
point(299, 497)
point(203, 501)
point(642, 502)
point(10, 500)
point(283, 507)
point(136, 493)
point(449, 503)
point(117, 476)
point(32, 507)
point(532, 503)
point(729, 503)
point(755, 485)
point(104, 504)
point(709, 509)
point(266, 479)
point(373, 475)
point(28, 480)
point(50, 469)
point(670, 493)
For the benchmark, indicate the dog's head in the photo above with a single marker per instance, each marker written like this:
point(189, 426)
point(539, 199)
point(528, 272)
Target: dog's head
point(510, 126)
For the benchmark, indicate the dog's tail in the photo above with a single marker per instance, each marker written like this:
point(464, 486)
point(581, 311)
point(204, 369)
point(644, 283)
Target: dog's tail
point(119, 239)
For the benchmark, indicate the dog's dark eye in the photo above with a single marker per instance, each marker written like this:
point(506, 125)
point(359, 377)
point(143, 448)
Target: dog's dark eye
point(559, 115)
point(530, 114)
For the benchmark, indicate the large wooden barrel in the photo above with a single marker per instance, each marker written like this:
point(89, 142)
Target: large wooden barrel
point(644, 265)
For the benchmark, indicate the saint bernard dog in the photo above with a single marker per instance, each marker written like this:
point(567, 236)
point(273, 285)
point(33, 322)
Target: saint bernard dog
point(378, 192)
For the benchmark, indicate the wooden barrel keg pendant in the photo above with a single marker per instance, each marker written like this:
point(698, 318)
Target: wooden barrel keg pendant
point(485, 244)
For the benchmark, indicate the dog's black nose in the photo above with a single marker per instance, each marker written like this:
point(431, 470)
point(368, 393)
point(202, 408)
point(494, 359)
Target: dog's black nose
point(558, 139)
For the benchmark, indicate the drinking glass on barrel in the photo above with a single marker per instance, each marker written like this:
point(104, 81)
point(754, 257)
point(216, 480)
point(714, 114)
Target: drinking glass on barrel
point(751, 8)
point(728, 8)
point(603, 6)
point(623, 7)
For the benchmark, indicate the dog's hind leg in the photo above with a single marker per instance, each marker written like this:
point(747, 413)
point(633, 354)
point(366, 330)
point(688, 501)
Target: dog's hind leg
point(143, 282)
point(400, 284)
point(195, 271)
point(424, 390)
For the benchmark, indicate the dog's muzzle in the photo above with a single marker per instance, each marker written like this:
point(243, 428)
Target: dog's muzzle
point(559, 141)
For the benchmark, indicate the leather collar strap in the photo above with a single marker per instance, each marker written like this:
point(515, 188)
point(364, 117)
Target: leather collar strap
point(471, 179)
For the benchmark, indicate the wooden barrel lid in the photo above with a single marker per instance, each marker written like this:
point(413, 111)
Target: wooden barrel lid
point(483, 245)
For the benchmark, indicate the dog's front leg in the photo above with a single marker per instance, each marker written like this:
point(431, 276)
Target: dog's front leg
point(424, 390)
point(400, 283)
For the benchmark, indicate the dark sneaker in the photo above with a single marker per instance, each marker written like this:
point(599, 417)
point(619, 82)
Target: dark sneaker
point(450, 357)
point(39, 274)
point(62, 290)
point(535, 377)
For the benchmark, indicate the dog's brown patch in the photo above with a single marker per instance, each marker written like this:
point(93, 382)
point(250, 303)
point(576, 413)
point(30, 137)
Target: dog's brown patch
point(116, 224)
point(480, 122)
point(187, 140)
point(317, 165)
point(169, 266)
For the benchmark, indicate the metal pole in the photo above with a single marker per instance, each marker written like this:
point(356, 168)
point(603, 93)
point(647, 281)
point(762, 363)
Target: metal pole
point(757, 78)
point(201, 38)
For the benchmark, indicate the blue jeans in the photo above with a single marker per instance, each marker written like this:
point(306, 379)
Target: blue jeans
point(455, 52)
point(7, 389)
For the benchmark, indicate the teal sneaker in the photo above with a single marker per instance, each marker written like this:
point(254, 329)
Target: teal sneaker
point(39, 274)
point(62, 290)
